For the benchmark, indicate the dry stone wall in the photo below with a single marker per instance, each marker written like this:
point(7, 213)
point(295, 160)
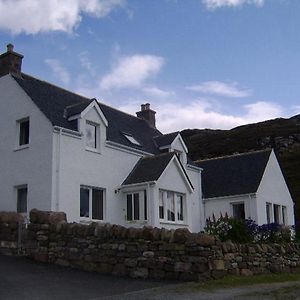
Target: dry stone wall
point(140, 253)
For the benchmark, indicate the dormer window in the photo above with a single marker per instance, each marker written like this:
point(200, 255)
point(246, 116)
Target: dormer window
point(91, 135)
point(131, 139)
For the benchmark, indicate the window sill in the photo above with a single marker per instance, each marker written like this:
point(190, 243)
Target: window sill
point(173, 223)
point(18, 148)
point(88, 221)
point(136, 222)
point(93, 150)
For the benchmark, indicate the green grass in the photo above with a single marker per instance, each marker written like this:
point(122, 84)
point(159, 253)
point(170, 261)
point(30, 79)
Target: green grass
point(238, 281)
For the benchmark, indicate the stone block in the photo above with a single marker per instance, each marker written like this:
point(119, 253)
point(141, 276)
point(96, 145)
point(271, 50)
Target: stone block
point(139, 273)
point(182, 267)
point(218, 264)
point(246, 272)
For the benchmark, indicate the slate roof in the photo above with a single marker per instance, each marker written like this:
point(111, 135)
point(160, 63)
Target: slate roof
point(57, 104)
point(165, 139)
point(149, 168)
point(233, 175)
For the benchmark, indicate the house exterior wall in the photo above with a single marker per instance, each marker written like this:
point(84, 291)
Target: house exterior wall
point(106, 169)
point(273, 189)
point(31, 165)
point(223, 205)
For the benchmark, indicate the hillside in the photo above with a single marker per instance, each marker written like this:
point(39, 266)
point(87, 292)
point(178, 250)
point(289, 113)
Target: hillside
point(283, 135)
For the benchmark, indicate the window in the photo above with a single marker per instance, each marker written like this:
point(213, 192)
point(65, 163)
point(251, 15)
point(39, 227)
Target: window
point(172, 206)
point(284, 218)
point(238, 210)
point(136, 204)
point(23, 132)
point(269, 212)
point(131, 139)
point(92, 203)
point(22, 199)
point(91, 135)
point(276, 213)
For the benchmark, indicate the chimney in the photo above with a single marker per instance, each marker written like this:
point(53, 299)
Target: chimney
point(10, 62)
point(147, 114)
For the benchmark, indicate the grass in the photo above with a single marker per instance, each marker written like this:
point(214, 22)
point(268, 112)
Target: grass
point(239, 281)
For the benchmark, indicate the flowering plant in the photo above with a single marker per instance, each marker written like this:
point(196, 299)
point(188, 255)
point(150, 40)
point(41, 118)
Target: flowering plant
point(247, 231)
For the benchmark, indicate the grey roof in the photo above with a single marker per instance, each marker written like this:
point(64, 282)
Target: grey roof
point(165, 139)
point(149, 168)
point(233, 175)
point(57, 104)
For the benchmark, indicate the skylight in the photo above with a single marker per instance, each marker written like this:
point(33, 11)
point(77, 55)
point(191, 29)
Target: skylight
point(131, 139)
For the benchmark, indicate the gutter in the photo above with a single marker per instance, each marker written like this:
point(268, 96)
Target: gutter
point(250, 195)
point(65, 130)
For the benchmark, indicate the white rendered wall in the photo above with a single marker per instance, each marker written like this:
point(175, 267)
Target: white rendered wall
point(273, 189)
point(32, 165)
point(173, 180)
point(223, 205)
point(79, 166)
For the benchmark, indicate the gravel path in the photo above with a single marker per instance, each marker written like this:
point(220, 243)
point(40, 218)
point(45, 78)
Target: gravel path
point(278, 291)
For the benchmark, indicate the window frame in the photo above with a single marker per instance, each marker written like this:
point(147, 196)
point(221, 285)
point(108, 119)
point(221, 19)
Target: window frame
point(235, 204)
point(91, 190)
point(269, 212)
point(96, 136)
point(17, 189)
point(141, 208)
point(164, 206)
point(19, 145)
point(277, 211)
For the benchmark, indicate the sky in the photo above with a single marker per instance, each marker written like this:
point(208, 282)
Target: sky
point(199, 63)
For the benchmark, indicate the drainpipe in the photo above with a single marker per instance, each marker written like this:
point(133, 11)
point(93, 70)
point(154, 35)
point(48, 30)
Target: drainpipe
point(58, 154)
point(202, 209)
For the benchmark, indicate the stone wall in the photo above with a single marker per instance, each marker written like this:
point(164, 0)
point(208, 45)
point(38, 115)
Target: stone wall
point(146, 252)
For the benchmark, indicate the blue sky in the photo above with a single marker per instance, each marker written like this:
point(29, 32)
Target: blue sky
point(200, 63)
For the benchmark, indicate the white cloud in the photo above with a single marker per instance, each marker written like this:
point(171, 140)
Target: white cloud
point(221, 89)
point(35, 16)
point(202, 114)
point(214, 4)
point(86, 63)
point(296, 109)
point(157, 92)
point(132, 71)
point(58, 70)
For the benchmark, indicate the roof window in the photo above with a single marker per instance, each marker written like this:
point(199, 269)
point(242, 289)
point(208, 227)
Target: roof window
point(131, 139)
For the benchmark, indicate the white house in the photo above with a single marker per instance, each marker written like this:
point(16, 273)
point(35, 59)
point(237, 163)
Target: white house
point(64, 152)
point(249, 185)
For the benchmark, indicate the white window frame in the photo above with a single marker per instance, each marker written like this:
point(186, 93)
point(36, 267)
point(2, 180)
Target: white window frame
point(91, 189)
point(17, 188)
point(131, 139)
point(163, 200)
point(238, 203)
point(279, 213)
point(269, 207)
point(143, 206)
point(284, 219)
point(18, 146)
point(97, 136)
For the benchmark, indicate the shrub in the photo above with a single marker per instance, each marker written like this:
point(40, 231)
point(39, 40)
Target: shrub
point(247, 231)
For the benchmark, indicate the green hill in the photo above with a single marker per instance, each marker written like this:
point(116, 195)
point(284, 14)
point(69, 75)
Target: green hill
point(283, 135)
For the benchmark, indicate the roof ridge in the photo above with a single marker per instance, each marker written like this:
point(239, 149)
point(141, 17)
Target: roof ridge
point(234, 155)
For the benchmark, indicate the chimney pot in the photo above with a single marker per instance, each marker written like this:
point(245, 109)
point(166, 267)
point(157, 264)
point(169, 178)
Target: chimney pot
point(147, 114)
point(10, 48)
point(10, 62)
